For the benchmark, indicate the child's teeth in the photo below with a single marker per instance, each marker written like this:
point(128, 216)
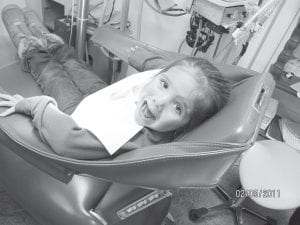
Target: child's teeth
point(147, 112)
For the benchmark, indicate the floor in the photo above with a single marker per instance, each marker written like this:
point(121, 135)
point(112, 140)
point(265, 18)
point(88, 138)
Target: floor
point(183, 200)
point(11, 213)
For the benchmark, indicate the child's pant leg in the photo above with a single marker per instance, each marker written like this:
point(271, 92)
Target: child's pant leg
point(34, 23)
point(34, 62)
point(85, 79)
point(81, 73)
point(14, 21)
point(54, 80)
point(56, 83)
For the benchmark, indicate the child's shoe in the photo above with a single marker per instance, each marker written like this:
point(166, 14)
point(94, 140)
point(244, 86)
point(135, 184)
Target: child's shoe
point(39, 30)
point(14, 21)
point(34, 23)
point(28, 44)
point(53, 40)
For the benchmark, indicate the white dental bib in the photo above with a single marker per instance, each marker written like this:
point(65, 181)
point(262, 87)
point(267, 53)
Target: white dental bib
point(109, 113)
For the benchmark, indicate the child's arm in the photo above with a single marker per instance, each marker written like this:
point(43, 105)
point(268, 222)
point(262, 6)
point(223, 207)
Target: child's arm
point(59, 130)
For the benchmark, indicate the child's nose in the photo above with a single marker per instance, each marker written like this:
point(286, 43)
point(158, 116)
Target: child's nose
point(160, 102)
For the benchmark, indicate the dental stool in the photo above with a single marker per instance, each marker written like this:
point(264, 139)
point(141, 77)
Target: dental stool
point(269, 174)
point(129, 188)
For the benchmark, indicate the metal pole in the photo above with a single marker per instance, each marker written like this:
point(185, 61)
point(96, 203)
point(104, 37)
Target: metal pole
point(124, 15)
point(139, 20)
point(82, 18)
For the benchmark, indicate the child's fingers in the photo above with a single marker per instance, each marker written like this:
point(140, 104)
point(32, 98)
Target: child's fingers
point(18, 97)
point(6, 97)
point(8, 112)
point(7, 103)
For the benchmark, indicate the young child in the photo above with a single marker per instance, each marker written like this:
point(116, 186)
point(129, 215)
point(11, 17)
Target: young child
point(177, 99)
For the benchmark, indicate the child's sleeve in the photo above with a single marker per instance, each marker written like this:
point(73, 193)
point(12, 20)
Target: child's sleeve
point(59, 130)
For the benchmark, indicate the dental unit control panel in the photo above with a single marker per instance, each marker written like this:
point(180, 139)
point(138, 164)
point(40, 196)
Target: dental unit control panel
point(210, 19)
point(224, 13)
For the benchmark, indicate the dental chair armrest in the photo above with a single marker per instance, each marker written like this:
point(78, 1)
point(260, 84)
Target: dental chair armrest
point(121, 45)
point(16, 130)
point(146, 167)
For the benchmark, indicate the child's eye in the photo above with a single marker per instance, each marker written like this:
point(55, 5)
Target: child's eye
point(164, 84)
point(178, 109)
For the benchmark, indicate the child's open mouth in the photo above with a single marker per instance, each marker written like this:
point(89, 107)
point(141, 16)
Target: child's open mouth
point(147, 112)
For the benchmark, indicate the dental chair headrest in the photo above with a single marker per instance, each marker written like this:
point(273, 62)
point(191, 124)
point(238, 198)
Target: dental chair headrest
point(235, 122)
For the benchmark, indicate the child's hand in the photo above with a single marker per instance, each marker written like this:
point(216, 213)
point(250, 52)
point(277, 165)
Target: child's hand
point(9, 101)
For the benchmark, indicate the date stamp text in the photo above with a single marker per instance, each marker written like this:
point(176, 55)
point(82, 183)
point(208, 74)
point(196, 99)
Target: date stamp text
point(258, 193)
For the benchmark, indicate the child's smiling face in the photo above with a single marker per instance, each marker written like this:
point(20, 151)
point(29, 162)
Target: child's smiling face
point(167, 101)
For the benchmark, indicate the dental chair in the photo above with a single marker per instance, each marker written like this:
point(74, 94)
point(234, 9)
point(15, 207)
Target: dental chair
point(129, 188)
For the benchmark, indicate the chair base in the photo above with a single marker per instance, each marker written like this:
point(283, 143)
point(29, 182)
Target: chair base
point(232, 204)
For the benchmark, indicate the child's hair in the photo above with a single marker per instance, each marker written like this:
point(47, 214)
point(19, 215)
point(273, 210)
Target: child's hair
point(214, 90)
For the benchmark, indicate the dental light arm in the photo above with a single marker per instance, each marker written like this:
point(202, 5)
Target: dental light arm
point(254, 23)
